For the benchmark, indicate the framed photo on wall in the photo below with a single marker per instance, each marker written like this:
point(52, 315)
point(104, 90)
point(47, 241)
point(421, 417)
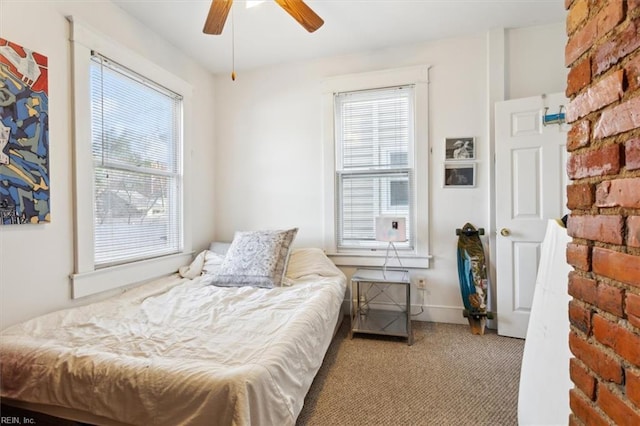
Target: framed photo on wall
point(460, 175)
point(460, 149)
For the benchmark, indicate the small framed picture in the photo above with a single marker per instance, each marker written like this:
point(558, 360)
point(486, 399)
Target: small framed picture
point(460, 175)
point(460, 149)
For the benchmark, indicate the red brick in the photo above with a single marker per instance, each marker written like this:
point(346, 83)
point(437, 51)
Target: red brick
point(623, 341)
point(583, 288)
point(580, 317)
point(632, 305)
point(579, 77)
point(578, 135)
point(578, 12)
point(632, 153)
point(633, 231)
point(580, 196)
point(580, 41)
point(615, 406)
point(598, 95)
point(582, 409)
point(633, 386)
point(618, 119)
point(609, 16)
point(579, 256)
point(610, 299)
point(599, 162)
point(619, 192)
point(632, 70)
point(607, 229)
point(615, 48)
point(617, 266)
point(583, 380)
point(634, 320)
point(596, 359)
point(632, 309)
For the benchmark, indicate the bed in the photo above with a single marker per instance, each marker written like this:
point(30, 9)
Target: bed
point(180, 350)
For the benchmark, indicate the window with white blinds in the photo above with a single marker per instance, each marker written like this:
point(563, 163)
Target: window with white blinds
point(136, 144)
point(375, 157)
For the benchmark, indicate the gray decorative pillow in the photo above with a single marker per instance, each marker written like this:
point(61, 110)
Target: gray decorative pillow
point(257, 258)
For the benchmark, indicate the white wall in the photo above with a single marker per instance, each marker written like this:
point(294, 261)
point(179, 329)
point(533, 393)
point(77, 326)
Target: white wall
point(535, 60)
point(258, 163)
point(36, 260)
point(269, 141)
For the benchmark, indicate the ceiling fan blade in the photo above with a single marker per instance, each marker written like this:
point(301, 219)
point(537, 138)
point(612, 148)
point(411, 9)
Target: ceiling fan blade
point(302, 13)
point(217, 16)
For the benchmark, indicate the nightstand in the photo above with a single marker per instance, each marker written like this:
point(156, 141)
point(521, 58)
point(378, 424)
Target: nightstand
point(365, 319)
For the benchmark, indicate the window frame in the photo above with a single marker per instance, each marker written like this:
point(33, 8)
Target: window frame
point(86, 278)
point(417, 76)
point(383, 175)
point(107, 161)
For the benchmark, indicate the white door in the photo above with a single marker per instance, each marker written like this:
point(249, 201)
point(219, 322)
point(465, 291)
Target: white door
point(530, 189)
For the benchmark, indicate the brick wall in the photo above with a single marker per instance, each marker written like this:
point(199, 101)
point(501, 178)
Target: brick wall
point(603, 85)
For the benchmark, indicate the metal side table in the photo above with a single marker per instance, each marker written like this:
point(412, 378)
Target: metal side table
point(364, 319)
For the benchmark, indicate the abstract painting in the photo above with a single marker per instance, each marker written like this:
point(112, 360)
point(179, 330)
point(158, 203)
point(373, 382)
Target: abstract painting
point(24, 135)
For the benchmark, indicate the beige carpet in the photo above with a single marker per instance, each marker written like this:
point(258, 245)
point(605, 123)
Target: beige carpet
point(448, 377)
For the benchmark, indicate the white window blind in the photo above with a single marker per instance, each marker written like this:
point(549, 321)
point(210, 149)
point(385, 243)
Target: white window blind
point(375, 172)
point(136, 145)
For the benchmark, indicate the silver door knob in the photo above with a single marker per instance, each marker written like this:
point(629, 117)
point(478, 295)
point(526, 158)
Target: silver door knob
point(505, 232)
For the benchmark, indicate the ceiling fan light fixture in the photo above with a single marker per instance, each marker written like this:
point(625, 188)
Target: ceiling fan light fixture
point(219, 9)
point(297, 9)
point(253, 3)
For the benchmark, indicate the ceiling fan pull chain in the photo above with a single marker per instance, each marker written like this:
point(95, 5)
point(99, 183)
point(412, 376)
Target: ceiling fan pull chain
point(233, 47)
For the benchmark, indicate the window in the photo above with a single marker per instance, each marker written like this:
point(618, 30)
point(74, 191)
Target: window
point(135, 133)
point(374, 146)
point(131, 198)
point(376, 152)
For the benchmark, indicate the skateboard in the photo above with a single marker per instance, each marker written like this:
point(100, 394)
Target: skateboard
point(472, 272)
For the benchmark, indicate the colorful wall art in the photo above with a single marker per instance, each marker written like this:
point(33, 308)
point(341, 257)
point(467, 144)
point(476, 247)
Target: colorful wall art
point(24, 135)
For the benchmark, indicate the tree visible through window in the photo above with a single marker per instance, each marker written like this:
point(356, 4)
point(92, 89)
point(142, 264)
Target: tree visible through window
point(136, 145)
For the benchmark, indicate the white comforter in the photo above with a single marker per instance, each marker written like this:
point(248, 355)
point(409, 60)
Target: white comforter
point(180, 352)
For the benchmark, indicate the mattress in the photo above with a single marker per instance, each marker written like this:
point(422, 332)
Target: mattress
point(180, 351)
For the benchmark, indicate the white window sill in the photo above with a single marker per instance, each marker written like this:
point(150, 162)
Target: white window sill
point(92, 282)
point(375, 260)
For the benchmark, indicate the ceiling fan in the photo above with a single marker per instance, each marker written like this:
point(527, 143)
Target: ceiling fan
point(296, 8)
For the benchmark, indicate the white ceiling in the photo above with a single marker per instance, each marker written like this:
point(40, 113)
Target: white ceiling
point(267, 35)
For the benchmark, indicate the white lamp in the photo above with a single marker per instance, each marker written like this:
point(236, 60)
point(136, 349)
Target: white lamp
point(391, 229)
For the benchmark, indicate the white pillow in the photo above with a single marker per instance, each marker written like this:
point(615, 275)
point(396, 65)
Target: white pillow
point(206, 262)
point(212, 262)
point(256, 258)
point(311, 262)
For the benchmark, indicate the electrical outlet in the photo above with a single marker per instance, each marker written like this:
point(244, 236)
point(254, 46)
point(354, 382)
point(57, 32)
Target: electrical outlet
point(422, 283)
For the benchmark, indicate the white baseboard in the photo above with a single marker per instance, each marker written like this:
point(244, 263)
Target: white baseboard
point(439, 313)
